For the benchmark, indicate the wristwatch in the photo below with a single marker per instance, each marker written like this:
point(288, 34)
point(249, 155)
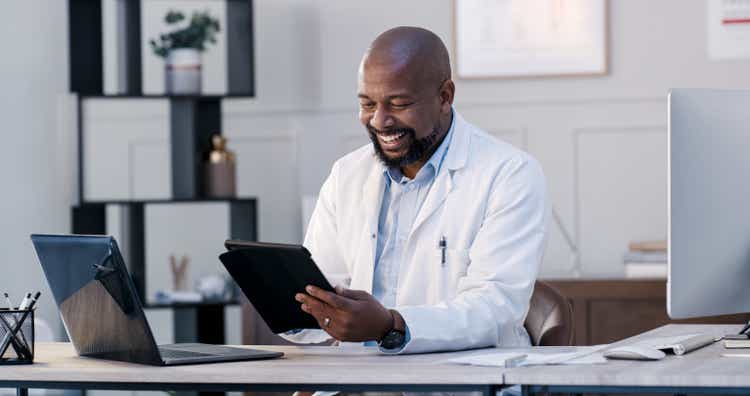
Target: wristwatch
point(395, 337)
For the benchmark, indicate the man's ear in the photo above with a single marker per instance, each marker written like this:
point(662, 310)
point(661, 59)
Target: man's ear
point(447, 92)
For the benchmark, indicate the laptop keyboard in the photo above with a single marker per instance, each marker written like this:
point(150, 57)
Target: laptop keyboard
point(177, 354)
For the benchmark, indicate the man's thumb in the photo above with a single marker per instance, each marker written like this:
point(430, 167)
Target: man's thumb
point(349, 293)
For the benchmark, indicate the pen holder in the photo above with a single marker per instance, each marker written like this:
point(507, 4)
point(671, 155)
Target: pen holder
point(17, 336)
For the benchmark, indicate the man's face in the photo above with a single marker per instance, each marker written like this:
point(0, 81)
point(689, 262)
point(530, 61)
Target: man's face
point(400, 111)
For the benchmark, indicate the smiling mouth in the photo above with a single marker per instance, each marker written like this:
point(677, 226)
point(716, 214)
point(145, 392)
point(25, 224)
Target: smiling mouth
point(391, 140)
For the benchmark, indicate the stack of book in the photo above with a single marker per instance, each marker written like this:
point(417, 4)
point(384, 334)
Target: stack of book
point(646, 259)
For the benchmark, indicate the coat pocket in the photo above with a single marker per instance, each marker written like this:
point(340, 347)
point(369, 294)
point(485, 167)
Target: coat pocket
point(454, 268)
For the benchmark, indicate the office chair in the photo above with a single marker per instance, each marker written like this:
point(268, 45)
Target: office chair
point(550, 318)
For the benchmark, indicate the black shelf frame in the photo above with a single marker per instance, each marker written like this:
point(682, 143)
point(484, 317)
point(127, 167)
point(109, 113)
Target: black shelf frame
point(193, 119)
point(87, 59)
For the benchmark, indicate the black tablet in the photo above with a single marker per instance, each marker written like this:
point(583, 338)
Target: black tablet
point(270, 274)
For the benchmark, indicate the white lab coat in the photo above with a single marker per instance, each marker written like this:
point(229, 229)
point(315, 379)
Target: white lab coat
point(488, 200)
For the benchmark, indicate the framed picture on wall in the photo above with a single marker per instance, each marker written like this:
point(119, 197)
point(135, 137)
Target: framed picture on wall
point(529, 38)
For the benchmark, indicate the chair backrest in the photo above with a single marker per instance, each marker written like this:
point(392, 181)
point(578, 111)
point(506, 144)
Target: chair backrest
point(550, 317)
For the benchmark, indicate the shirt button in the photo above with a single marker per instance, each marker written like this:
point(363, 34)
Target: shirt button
point(373, 236)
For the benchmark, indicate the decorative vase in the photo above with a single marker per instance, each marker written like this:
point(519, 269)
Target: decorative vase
point(179, 272)
point(183, 72)
point(219, 170)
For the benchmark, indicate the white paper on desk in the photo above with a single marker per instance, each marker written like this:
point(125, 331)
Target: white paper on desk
point(495, 359)
point(583, 355)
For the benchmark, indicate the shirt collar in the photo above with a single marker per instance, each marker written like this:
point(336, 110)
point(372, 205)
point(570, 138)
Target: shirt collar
point(432, 165)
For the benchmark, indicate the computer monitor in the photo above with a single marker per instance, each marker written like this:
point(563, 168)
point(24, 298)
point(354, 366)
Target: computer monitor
point(709, 202)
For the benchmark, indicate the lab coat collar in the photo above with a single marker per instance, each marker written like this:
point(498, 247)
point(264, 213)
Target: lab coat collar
point(455, 159)
point(458, 150)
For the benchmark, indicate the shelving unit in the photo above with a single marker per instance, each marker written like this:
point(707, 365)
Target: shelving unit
point(193, 119)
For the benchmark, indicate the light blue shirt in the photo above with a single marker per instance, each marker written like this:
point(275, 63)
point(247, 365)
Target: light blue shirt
point(402, 199)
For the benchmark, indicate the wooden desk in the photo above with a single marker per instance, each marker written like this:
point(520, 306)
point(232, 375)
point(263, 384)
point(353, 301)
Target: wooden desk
point(700, 371)
point(302, 368)
point(608, 310)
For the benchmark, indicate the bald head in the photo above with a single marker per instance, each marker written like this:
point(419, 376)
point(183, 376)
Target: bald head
point(411, 50)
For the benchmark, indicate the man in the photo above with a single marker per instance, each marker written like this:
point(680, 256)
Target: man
point(439, 227)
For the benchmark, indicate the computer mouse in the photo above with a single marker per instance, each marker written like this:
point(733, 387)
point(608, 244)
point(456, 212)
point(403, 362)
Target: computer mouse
point(634, 352)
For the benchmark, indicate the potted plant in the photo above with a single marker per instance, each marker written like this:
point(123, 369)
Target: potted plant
point(181, 50)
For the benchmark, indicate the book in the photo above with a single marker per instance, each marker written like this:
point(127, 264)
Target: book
point(646, 270)
point(645, 257)
point(646, 260)
point(533, 357)
point(648, 246)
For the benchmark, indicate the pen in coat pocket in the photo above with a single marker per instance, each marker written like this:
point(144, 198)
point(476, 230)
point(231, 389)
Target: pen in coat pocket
point(443, 244)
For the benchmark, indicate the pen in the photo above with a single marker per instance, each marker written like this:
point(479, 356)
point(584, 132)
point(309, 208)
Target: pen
point(28, 307)
point(33, 300)
point(22, 306)
point(24, 302)
point(443, 244)
point(12, 317)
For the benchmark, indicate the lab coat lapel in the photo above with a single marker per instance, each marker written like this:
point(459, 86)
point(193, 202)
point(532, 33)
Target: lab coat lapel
point(455, 159)
point(441, 187)
point(372, 198)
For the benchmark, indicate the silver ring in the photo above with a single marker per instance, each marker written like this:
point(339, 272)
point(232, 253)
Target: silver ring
point(326, 322)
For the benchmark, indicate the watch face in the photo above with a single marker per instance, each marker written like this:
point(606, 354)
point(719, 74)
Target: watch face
point(393, 339)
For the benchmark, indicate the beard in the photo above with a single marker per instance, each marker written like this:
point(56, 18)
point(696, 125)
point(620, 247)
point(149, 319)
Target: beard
point(417, 149)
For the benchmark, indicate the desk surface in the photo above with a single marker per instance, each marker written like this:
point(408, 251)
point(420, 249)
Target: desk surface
point(703, 368)
point(56, 365)
point(358, 368)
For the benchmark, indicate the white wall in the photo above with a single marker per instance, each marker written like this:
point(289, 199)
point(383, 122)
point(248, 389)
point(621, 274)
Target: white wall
point(36, 188)
point(600, 139)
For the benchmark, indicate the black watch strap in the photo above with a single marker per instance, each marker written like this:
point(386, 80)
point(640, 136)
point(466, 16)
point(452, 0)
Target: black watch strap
point(395, 337)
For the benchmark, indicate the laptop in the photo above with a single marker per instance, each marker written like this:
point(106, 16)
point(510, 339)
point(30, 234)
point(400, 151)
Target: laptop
point(101, 310)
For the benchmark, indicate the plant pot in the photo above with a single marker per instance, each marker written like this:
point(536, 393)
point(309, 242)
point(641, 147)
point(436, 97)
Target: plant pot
point(183, 72)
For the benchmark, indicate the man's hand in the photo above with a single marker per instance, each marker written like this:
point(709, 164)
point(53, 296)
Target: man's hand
point(347, 315)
